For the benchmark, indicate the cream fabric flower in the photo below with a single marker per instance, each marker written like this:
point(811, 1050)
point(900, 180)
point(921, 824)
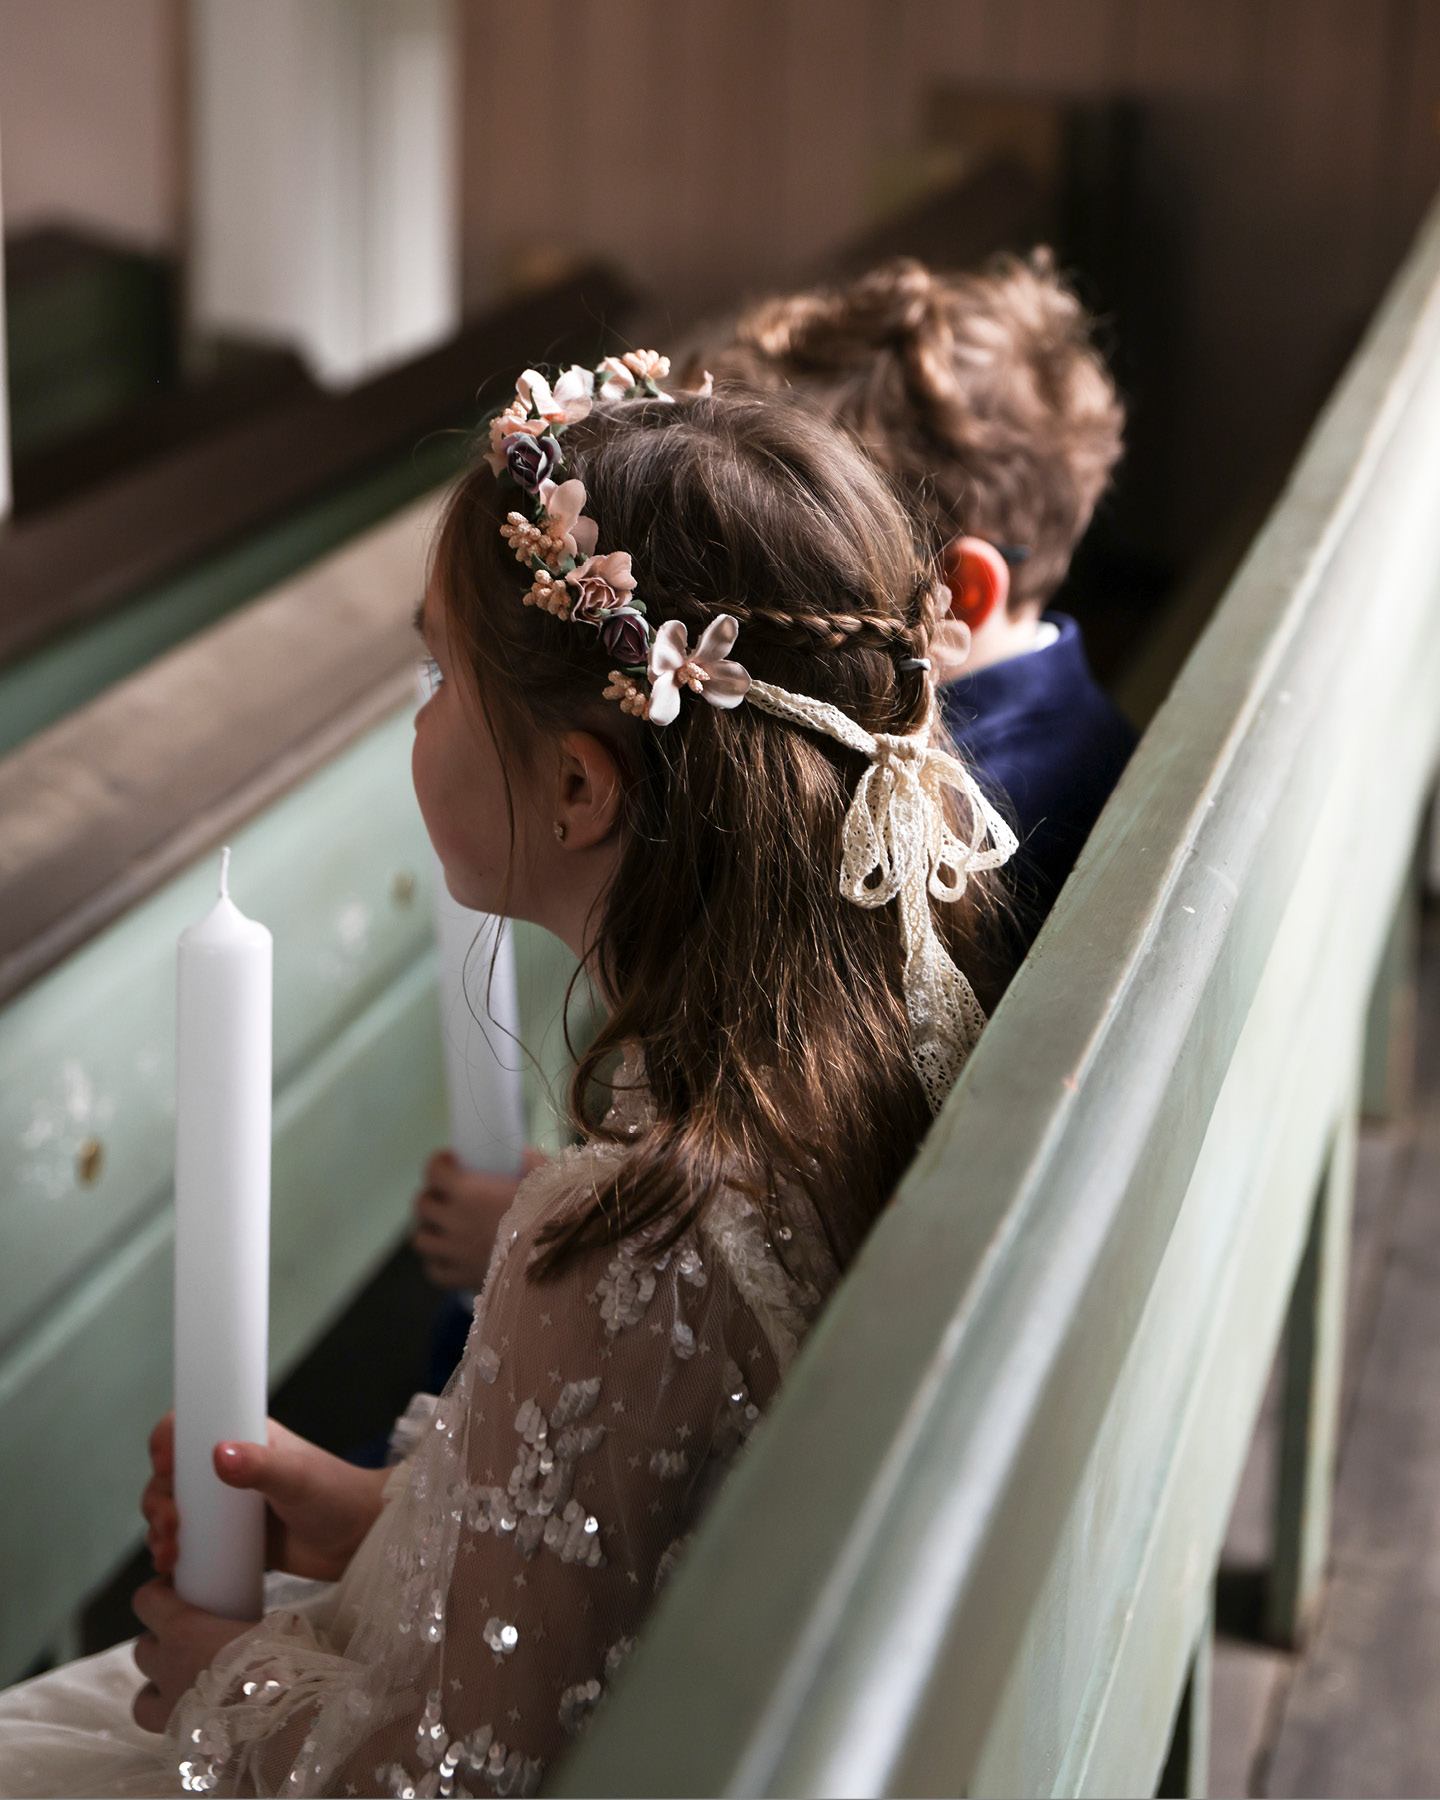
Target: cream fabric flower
point(705, 670)
point(569, 400)
point(613, 380)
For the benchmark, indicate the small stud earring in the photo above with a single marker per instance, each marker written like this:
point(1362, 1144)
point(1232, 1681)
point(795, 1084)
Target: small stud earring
point(559, 832)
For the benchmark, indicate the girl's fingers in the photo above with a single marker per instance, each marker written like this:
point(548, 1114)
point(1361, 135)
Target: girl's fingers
point(147, 1656)
point(149, 1710)
point(162, 1446)
point(156, 1605)
point(430, 1208)
point(431, 1230)
point(161, 1515)
point(440, 1167)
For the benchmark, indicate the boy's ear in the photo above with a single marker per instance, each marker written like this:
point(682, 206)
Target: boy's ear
point(978, 578)
point(589, 791)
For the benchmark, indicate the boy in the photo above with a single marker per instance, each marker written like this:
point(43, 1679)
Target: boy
point(983, 396)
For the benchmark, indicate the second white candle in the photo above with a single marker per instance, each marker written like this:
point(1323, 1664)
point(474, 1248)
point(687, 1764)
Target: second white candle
point(480, 1018)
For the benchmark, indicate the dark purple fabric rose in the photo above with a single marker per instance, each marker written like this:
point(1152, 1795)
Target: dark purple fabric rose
point(530, 460)
point(625, 638)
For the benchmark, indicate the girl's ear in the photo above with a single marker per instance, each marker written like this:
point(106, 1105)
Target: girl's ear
point(589, 790)
point(978, 578)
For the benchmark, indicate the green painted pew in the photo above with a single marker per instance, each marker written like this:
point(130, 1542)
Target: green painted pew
point(972, 1550)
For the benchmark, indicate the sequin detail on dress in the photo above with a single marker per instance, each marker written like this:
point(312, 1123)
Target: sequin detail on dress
point(554, 1487)
point(625, 1291)
point(537, 1505)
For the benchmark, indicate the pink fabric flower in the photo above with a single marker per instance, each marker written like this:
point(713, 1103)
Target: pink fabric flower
point(573, 535)
point(705, 671)
point(603, 584)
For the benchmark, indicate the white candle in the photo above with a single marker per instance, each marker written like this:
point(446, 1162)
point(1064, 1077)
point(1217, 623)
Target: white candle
point(480, 1018)
point(222, 1247)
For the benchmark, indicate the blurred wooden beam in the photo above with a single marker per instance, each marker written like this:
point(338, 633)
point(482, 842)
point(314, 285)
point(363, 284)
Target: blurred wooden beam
point(81, 559)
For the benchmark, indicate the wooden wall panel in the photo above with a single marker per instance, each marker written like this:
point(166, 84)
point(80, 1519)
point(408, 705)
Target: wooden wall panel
point(700, 142)
point(92, 103)
point(948, 38)
point(1412, 126)
point(1058, 46)
point(824, 178)
point(618, 181)
point(1188, 46)
point(724, 145)
point(718, 147)
point(1276, 185)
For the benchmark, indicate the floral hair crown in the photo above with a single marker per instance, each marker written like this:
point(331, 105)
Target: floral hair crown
point(557, 543)
point(897, 842)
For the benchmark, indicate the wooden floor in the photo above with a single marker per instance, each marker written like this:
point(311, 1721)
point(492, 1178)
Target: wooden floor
point(1358, 1713)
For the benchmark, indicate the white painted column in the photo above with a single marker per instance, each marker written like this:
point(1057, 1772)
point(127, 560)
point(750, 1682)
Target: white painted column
point(325, 177)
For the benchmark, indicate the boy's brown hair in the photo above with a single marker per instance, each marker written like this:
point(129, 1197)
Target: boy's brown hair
point(982, 394)
point(769, 1010)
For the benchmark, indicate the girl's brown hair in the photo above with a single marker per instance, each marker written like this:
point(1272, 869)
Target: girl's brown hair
point(981, 393)
point(767, 1008)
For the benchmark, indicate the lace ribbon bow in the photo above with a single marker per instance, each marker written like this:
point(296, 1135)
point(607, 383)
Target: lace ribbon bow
point(898, 845)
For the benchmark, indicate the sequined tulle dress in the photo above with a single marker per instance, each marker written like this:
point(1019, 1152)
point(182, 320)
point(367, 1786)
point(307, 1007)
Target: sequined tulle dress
point(519, 1548)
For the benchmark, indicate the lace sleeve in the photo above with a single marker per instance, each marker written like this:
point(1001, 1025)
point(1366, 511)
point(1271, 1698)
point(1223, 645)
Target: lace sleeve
point(568, 1459)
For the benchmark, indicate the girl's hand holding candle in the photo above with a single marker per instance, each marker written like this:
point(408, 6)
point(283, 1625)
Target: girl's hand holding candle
point(317, 1510)
point(317, 1507)
point(178, 1642)
point(457, 1214)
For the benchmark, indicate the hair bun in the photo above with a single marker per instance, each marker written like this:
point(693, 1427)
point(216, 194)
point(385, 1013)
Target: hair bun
point(842, 328)
point(895, 300)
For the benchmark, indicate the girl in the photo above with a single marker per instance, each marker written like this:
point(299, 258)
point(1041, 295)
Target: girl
point(684, 720)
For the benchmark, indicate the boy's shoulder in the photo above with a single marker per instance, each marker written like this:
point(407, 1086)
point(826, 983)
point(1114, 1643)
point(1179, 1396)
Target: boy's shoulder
point(1051, 686)
point(1042, 731)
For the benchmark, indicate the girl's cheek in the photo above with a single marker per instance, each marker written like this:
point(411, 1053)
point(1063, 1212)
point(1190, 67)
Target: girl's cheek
point(425, 777)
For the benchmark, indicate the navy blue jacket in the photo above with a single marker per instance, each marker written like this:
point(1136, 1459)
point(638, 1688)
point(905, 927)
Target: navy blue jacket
point(1041, 730)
